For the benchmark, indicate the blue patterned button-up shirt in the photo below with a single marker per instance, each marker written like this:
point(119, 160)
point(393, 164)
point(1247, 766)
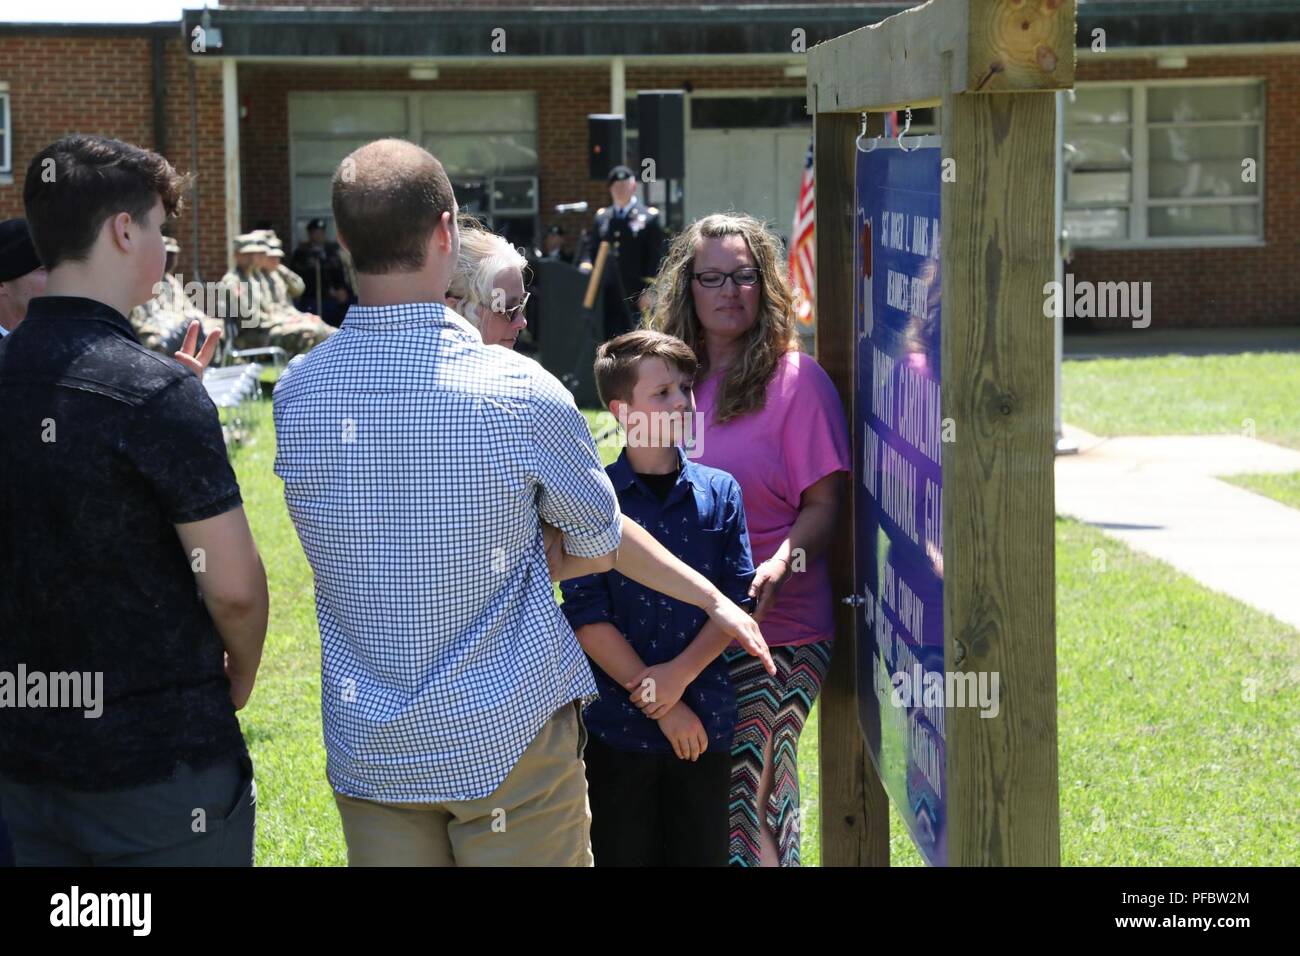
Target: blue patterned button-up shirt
point(702, 522)
point(418, 466)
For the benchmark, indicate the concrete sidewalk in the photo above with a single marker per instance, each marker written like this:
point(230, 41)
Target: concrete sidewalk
point(1162, 496)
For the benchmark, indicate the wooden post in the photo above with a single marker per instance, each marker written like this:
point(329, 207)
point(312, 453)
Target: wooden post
point(997, 387)
point(854, 809)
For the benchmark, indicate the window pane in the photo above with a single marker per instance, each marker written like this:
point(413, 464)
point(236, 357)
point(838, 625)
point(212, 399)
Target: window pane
point(1099, 104)
point(1185, 104)
point(312, 155)
point(1084, 224)
point(1098, 187)
point(484, 154)
point(349, 114)
point(472, 112)
point(1201, 161)
point(1173, 221)
point(1097, 146)
point(313, 192)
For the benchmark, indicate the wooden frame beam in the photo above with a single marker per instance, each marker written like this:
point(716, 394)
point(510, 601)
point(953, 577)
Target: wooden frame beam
point(996, 46)
point(997, 223)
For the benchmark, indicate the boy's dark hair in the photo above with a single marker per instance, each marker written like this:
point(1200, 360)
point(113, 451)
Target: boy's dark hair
point(616, 361)
point(77, 182)
point(388, 197)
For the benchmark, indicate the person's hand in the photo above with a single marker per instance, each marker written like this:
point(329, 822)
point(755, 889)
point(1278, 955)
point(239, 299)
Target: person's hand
point(768, 578)
point(197, 360)
point(553, 542)
point(685, 732)
point(643, 303)
point(743, 629)
point(241, 684)
point(584, 267)
point(666, 685)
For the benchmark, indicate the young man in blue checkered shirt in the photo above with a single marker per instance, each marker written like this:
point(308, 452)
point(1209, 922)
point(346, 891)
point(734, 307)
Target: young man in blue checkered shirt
point(419, 468)
point(659, 759)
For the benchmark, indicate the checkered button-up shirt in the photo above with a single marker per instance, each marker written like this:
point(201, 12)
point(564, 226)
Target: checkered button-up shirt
point(418, 467)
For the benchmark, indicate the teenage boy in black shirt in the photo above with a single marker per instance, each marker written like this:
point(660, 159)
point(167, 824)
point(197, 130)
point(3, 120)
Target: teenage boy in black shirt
point(133, 604)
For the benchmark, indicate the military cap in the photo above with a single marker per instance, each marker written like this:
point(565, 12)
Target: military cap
point(620, 173)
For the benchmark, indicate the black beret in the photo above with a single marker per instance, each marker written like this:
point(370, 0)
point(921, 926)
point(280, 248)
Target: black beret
point(17, 254)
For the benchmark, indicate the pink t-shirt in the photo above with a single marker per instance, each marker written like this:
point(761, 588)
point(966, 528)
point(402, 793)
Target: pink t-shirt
point(796, 439)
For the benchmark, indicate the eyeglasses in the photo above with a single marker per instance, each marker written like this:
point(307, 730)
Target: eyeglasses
point(511, 314)
point(714, 280)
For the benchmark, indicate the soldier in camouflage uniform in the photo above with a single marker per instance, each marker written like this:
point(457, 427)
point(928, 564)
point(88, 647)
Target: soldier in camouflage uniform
point(173, 295)
point(242, 298)
point(294, 331)
point(161, 322)
point(294, 285)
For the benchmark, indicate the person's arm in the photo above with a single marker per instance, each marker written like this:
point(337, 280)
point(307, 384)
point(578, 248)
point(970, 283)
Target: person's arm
point(606, 645)
point(670, 679)
point(809, 536)
point(292, 281)
point(177, 448)
point(646, 561)
point(232, 580)
point(573, 495)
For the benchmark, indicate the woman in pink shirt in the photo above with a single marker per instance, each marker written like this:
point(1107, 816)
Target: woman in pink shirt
point(769, 415)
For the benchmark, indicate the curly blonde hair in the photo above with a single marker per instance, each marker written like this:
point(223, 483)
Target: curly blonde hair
point(744, 389)
point(483, 254)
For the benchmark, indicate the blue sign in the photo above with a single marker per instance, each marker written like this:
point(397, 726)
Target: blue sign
point(899, 481)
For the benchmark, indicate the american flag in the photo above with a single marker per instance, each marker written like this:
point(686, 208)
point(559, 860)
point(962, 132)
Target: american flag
point(803, 269)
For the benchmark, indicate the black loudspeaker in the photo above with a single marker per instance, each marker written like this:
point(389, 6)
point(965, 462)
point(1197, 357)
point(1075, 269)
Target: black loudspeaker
point(605, 145)
point(661, 126)
point(569, 333)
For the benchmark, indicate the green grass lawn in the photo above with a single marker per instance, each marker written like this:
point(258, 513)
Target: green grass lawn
point(1284, 488)
point(1256, 394)
point(1163, 760)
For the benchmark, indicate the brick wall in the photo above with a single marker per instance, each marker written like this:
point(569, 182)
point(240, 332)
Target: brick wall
point(103, 85)
point(1220, 286)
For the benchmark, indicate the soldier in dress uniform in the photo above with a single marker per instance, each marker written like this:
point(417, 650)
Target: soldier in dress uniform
point(636, 247)
point(323, 267)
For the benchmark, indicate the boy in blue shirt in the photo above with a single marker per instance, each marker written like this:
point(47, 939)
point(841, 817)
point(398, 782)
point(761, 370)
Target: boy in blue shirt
point(659, 754)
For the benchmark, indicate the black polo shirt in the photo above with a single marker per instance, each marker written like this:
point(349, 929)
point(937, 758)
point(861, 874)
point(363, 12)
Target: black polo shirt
point(104, 447)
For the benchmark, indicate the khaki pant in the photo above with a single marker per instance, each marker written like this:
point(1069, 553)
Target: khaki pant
point(539, 816)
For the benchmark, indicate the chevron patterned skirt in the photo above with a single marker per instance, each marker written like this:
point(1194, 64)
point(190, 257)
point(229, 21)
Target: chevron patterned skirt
point(771, 709)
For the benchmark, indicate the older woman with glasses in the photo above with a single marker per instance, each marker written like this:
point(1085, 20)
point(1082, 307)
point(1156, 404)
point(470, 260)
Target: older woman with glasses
point(487, 287)
point(769, 415)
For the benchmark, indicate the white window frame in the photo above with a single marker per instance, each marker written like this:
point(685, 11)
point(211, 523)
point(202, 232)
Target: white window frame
point(6, 160)
point(1140, 202)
